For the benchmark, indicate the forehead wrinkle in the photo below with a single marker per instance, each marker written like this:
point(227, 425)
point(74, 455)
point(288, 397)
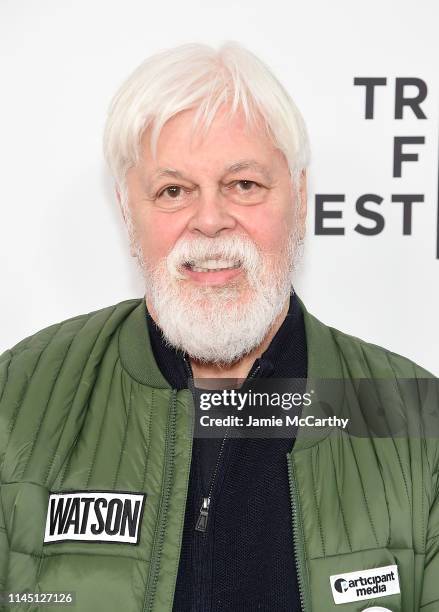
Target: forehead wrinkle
point(168, 172)
point(246, 164)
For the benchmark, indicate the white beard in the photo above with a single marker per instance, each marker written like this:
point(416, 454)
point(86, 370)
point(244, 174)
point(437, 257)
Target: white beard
point(219, 324)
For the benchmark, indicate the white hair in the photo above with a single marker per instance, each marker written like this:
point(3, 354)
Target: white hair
point(197, 76)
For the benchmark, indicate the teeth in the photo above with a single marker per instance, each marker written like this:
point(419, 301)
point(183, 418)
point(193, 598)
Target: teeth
point(215, 264)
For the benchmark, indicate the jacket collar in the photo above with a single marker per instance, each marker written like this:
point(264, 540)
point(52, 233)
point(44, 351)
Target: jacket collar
point(135, 350)
point(324, 360)
point(137, 356)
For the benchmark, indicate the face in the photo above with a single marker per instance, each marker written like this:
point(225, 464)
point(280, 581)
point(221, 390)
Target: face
point(215, 220)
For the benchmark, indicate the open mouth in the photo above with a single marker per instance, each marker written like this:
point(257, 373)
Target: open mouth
point(212, 265)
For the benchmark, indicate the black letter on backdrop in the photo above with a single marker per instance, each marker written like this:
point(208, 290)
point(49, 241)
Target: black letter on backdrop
point(322, 214)
point(399, 156)
point(369, 83)
point(415, 102)
point(369, 214)
point(407, 200)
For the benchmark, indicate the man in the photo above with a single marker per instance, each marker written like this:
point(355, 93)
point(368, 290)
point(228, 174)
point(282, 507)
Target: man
point(105, 490)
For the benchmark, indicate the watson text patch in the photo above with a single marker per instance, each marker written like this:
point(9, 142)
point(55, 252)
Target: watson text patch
point(94, 516)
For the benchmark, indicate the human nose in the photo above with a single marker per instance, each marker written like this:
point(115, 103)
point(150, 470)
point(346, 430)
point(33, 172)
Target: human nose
point(210, 214)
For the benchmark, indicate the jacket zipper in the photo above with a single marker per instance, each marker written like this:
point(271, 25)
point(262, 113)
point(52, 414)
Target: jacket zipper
point(298, 541)
point(204, 513)
point(204, 510)
point(163, 508)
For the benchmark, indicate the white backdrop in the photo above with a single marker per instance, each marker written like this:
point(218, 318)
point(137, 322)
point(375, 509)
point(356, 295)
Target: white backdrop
point(63, 247)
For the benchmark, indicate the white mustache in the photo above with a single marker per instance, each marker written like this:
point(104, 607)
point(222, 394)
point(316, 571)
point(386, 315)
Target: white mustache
point(233, 248)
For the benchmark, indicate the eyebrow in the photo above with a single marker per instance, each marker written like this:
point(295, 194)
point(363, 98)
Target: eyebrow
point(245, 164)
point(248, 164)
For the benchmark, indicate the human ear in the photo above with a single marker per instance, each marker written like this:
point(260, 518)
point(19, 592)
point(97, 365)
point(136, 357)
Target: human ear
point(302, 204)
point(127, 222)
point(119, 199)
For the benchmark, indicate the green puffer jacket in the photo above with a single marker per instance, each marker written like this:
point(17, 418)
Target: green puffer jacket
point(84, 409)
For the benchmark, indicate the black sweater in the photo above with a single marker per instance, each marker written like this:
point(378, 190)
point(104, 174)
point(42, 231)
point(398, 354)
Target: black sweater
point(245, 559)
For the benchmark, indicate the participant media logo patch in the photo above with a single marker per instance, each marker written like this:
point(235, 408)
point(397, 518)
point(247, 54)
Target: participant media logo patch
point(94, 516)
point(365, 584)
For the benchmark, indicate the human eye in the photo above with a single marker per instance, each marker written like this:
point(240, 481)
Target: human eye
point(171, 192)
point(245, 186)
point(173, 197)
point(245, 190)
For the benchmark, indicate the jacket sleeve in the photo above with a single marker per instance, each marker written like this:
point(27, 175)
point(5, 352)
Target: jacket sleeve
point(4, 550)
point(4, 544)
point(430, 590)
